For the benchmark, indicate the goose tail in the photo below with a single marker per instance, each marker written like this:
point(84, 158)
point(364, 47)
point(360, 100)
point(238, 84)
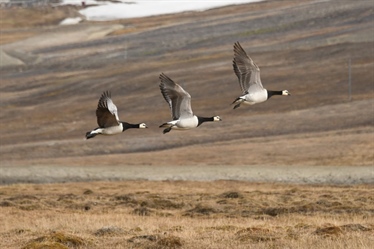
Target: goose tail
point(89, 135)
point(165, 125)
point(237, 101)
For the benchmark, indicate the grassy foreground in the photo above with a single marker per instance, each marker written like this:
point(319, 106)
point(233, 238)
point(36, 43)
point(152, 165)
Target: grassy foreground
point(179, 214)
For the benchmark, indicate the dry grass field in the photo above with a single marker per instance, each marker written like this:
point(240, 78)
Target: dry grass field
point(74, 193)
point(184, 214)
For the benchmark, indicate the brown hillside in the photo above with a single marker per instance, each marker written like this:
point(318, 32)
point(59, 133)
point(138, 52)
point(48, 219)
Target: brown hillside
point(49, 103)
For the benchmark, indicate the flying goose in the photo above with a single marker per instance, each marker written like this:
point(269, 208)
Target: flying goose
point(248, 74)
point(180, 105)
point(107, 119)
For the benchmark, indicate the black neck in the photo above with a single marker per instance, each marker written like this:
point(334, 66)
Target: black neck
point(203, 119)
point(126, 126)
point(271, 93)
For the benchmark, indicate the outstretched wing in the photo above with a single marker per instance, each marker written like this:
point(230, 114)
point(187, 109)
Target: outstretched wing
point(106, 111)
point(245, 69)
point(178, 99)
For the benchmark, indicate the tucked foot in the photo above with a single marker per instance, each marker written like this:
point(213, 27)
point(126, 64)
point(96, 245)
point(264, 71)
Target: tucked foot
point(167, 130)
point(236, 106)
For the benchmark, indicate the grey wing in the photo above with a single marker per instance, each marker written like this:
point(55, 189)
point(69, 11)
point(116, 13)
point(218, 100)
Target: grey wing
point(178, 99)
point(246, 70)
point(106, 111)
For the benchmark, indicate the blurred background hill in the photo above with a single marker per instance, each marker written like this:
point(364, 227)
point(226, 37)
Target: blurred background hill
point(53, 75)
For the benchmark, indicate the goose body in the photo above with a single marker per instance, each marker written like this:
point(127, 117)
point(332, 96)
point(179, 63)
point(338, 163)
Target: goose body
point(108, 120)
point(248, 74)
point(180, 105)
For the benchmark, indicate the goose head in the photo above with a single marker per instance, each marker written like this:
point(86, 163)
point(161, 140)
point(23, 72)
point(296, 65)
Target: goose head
point(285, 92)
point(142, 126)
point(217, 118)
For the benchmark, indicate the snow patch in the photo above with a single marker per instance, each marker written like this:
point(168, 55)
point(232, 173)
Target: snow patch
point(107, 11)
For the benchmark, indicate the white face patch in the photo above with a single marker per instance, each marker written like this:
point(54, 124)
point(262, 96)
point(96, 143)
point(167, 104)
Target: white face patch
point(143, 126)
point(217, 118)
point(285, 92)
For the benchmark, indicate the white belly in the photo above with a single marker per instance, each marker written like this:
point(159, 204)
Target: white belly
point(112, 130)
point(187, 123)
point(255, 98)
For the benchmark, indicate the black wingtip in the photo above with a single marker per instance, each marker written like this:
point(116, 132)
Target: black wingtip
point(163, 76)
point(106, 93)
point(237, 44)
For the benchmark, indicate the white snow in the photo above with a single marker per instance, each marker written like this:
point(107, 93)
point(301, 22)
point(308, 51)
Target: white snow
point(71, 21)
point(106, 11)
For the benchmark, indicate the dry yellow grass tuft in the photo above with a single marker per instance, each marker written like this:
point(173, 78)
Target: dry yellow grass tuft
point(178, 214)
point(329, 231)
point(56, 240)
